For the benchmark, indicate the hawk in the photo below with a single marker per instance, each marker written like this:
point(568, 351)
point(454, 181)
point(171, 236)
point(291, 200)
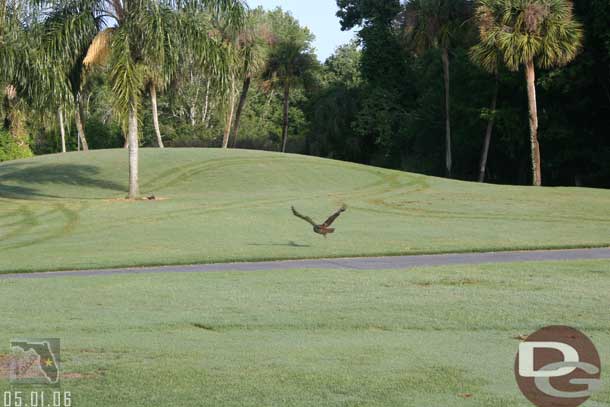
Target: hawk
point(324, 228)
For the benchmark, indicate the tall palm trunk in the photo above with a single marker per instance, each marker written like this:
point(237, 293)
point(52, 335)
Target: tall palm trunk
point(488, 132)
point(225, 138)
point(240, 108)
point(206, 104)
point(10, 93)
point(267, 107)
point(78, 118)
point(62, 130)
point(133, 153)
point(193, 109)
point(285, 125)
point(448, 155)
point(530, 76)
point(153, 100)
point(14, 120)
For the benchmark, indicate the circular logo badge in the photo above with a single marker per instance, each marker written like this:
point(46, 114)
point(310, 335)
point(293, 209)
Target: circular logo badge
point(557, 366)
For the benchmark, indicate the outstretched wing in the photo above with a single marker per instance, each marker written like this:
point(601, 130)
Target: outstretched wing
point(305, 218)
point(334, 216)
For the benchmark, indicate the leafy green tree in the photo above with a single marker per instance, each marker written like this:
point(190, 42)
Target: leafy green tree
point(334, 106)
point(387, 90)
point(343, 67)
point(528, 33)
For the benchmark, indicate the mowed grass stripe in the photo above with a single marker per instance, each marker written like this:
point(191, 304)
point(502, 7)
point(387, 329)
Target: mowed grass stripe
point(425, 337)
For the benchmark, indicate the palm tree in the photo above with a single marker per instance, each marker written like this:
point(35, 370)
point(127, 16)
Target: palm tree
point(33, 85)
point(435, 24)
point(491, 117)
point(33, 82)
point(79, 113)
point(161, 68)
point(529, 33)
point(62, 128)
point(485, 54)
point(253, 39)
point(69, 30)
point(289, 63)
point(131, 42)
point(20, 62)
point(230, 91)
point(238, 45)
point(55, 98)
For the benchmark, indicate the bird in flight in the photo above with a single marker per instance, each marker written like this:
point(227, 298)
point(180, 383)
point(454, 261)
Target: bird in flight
point(324, 228)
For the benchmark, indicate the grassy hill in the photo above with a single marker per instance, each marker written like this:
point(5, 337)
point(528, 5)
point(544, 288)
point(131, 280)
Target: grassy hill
point(67, 211)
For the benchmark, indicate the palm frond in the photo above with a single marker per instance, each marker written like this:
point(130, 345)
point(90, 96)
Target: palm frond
point(125, 74)
point(99, 50)
point(543, 31)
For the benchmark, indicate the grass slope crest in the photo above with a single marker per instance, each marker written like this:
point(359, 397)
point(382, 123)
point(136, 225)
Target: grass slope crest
point(218, 205)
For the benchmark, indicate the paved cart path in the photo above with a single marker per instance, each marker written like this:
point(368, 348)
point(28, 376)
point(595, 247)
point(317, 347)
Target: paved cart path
point(357, 263)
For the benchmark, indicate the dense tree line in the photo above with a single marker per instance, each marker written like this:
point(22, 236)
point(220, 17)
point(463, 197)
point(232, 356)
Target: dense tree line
point(506, 91)
point(444, 89)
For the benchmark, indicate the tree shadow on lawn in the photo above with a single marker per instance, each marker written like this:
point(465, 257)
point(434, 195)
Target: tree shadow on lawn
point(59, 174)
point(289, 244)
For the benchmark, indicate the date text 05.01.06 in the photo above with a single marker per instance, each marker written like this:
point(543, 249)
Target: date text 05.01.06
point(37, 399)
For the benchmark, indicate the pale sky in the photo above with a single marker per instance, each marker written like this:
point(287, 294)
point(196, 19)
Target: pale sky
point(318, 16)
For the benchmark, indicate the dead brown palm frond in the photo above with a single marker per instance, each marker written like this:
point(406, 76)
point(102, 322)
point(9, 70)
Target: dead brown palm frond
point(267, 85)
point(215, 34)
point(267, 35)
point(99, 50)
point(485, 19)
point(10, 91)
point(534, 15)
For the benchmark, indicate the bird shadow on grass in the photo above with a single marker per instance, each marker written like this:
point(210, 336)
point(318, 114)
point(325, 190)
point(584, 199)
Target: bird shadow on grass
point(26, 177)
point(599, 272)
point(291, 243)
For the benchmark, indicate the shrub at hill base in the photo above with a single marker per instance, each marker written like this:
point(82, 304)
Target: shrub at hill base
point(10, 149)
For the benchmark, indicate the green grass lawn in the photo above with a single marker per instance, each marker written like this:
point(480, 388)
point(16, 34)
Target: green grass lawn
point(423, 337)
point(67, 212)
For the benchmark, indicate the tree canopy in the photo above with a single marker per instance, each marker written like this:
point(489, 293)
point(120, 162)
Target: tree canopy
point(421, 78)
